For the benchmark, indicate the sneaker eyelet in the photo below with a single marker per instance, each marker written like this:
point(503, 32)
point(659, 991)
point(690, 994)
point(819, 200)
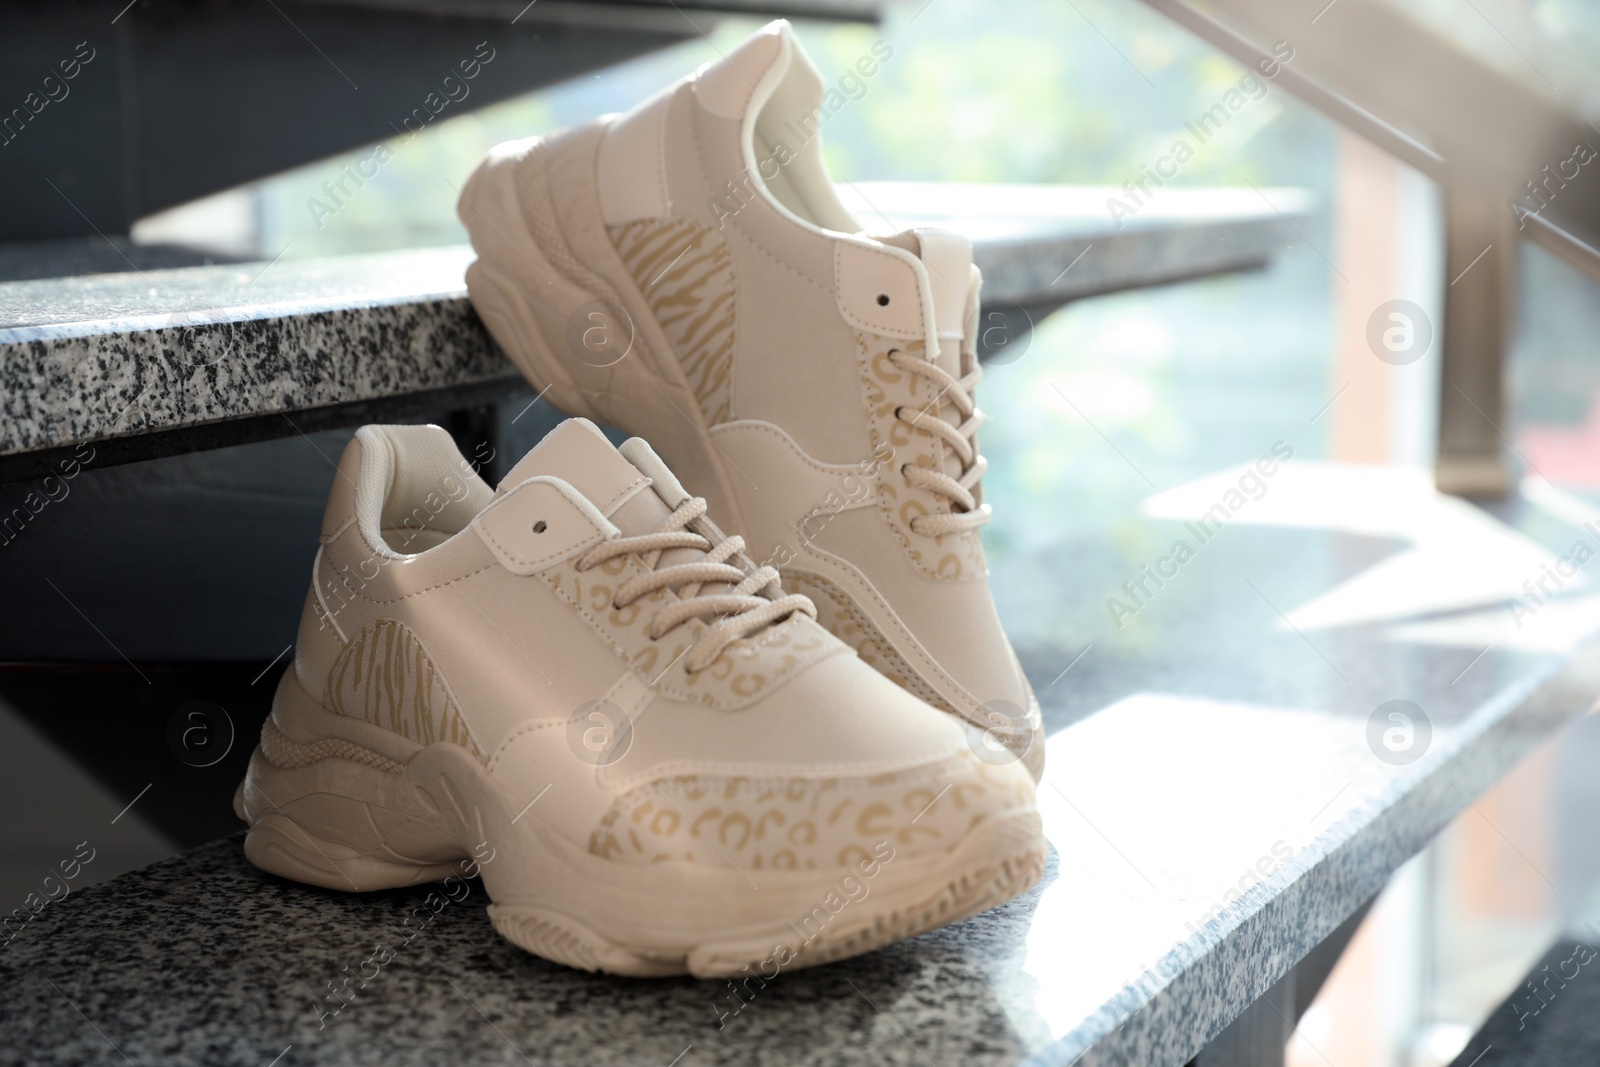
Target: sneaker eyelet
point(540, 526)
point(883, 300)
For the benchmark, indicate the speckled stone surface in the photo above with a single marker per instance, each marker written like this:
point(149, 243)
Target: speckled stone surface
point(1214, 795)
point(249, 977)
point(118, 355)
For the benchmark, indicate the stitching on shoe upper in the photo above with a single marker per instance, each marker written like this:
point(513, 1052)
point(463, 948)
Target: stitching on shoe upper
point(334, 536)
point(407, 596)
point(799, 770)
point(623, 494)
point(842, 602)
point(520, 730)
point(934, 767)
point(679, 767)
point(537, 562)
point(699, 160)
point(753, 243)
point(771, 634)
point(661, 154)
point(793, 671)
point(838, 287)
point(790, 443)
point(922, 654)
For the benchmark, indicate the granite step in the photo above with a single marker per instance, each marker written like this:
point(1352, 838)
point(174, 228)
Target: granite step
point(143, 363)
point(1218, 796)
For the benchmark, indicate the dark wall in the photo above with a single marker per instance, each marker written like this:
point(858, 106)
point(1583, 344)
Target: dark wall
point(204, 556)
point(174, 99)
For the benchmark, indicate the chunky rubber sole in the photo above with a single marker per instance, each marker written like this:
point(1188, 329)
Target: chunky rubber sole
point(364, 820)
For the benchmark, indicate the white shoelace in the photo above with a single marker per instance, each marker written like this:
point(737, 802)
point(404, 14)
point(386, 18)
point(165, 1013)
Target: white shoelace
point(755, 600)
point(962, 439)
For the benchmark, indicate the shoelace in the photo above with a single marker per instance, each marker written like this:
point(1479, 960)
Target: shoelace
point(961, 439)
point(752, 604)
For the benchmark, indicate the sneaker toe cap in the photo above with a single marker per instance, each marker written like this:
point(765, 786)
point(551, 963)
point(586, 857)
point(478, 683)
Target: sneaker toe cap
point(811, 823)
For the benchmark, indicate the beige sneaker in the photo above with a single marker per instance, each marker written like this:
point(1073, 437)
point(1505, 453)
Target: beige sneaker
point(687, 272)
point(580, 688)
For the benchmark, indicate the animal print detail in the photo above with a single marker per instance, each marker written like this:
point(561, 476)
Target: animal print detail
point(805, 823)
point(686, 274)
point(886, 388)
point(840, 616)
point(745, 670)
point(385, 677)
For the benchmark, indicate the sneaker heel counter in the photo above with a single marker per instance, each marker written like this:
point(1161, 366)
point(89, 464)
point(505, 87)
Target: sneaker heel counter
point(317, 644)
point(340, 510)
point(319, 638)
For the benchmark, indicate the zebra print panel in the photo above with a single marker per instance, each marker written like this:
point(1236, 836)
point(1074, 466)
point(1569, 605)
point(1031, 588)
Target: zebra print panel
point(385, 677)
point(686, 274)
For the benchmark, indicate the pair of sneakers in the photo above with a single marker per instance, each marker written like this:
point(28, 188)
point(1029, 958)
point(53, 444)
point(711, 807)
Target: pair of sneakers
point(667, 748)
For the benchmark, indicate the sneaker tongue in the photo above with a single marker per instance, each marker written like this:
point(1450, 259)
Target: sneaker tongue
point(948, 257)
point(579, 454)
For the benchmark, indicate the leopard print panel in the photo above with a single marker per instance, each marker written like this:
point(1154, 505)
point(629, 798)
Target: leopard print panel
point(803, 823)
point(745, 670)
point(951, 556)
